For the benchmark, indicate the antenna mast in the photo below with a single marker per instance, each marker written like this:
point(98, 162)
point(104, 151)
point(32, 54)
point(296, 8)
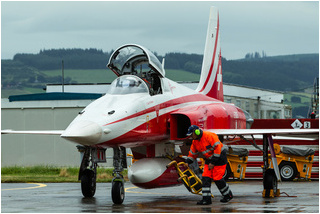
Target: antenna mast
point(62, 76)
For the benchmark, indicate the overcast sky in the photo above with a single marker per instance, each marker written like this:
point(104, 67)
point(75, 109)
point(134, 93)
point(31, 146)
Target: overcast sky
point(277, 28)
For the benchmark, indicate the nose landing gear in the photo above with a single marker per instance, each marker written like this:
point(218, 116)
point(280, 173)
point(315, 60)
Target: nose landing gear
point(87, 175)
point(90, 157)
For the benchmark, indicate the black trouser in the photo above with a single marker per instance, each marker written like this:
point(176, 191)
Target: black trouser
point(206, 188)
point(221, 185)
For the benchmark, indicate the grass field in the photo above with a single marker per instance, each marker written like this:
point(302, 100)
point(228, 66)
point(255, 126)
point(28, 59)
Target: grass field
point(107, 76)
point(305, 99)
point(49, 174)
point(85, 76)
point(5, 93)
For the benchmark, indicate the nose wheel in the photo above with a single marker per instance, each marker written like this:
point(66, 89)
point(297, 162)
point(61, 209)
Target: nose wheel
point(88, 175)
point(88, 183)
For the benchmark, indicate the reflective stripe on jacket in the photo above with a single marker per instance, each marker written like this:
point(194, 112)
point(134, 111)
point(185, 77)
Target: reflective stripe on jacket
point(210, 147)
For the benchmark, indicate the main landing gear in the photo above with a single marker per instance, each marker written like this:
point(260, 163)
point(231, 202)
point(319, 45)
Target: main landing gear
point(119, 163)
point(270, 175)
point(270, 180)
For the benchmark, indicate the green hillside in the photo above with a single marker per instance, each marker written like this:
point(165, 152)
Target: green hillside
point(283, 73)
point(29, 73)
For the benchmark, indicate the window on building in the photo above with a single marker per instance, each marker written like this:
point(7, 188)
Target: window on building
point(273, 114)
point(247, 106)
point(228, 100)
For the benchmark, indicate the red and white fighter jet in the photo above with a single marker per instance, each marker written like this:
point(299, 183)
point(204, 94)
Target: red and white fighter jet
point(147, 112)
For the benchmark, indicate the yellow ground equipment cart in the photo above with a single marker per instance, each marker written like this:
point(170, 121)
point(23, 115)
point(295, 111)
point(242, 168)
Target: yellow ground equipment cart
point(237, 163)
point(190, 180)
point(294, 162)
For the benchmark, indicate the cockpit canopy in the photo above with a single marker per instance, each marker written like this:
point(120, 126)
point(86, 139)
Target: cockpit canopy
point(128, 84)
point(135, 60)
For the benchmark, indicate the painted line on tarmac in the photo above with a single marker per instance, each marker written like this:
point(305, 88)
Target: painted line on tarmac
point(35, 187)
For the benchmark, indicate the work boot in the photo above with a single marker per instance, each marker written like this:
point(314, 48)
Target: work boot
point(204, 202)
point(227, 198)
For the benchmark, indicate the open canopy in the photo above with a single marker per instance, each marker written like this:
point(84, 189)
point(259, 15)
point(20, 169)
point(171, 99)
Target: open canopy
point(134, 59)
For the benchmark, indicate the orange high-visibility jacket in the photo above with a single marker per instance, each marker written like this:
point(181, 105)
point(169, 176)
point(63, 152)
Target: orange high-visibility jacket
point(210, 147)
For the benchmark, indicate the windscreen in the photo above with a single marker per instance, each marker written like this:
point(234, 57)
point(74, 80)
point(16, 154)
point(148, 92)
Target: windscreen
point(128, 85)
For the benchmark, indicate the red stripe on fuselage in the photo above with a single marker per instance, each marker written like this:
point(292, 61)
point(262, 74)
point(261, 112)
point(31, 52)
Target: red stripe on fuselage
point(167, 104)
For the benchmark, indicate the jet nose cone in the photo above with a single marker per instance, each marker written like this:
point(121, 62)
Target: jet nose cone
point(83, 132)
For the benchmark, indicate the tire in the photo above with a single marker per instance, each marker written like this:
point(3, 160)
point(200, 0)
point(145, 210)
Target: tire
point(288, 171)
point(270, 183)
point(227, 173)
point(117, 192)
point(88, 183)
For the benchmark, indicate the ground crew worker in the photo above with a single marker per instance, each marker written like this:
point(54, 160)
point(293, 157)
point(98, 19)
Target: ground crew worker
point(215, 154)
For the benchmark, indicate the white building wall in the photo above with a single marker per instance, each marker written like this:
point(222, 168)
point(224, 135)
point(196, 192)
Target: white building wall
point(252, 93)
point(29, 150)
point(90, 88)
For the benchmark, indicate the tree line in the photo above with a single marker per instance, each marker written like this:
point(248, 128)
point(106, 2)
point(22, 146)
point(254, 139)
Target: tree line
point(283, 73)
point(73, 59)
point(97, 59)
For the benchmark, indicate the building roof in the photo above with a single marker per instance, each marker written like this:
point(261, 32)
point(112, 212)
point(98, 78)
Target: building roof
point(55, 96)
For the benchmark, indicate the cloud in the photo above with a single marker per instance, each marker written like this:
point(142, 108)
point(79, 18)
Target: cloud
point(275, 27)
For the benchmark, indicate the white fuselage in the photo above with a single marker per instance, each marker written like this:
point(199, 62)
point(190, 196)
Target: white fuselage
point(114, 115)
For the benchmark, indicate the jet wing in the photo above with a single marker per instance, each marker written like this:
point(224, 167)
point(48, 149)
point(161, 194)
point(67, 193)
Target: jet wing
point(306, 133)
point(48, 132)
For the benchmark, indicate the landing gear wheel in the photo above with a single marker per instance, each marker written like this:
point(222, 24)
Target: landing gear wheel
point(117, 192)
point(288, 171)
point(270, 183)
point(88, 183)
